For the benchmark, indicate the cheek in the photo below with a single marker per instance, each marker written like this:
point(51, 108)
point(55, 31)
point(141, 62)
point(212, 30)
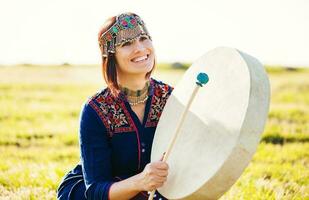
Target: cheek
point(149, 45)
point(121, 58)
point(151, 49)
point(122, 65)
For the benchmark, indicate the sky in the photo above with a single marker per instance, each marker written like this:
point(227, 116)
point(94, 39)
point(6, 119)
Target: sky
point(65, 31)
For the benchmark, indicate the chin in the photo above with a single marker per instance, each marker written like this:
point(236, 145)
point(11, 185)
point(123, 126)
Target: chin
point(144, 69)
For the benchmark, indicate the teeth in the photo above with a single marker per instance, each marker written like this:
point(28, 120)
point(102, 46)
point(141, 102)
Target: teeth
point(140, 58)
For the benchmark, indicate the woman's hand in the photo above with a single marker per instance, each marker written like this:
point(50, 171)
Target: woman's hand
point(153, 176)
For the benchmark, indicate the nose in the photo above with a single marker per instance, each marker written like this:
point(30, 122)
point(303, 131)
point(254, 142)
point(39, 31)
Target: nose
point(139, 46)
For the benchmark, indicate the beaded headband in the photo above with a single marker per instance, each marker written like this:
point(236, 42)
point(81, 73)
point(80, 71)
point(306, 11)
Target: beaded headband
point(128, 26)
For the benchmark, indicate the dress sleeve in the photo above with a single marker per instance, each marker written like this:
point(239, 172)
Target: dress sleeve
point(95, 155)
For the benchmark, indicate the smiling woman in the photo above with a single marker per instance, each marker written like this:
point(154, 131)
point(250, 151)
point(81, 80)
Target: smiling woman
point(117, 124)
point(135, 57)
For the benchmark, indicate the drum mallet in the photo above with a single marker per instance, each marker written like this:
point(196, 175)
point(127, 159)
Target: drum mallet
point(202, 79)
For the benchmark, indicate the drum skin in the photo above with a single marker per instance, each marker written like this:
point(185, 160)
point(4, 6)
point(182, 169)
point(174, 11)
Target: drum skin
point(222, 129)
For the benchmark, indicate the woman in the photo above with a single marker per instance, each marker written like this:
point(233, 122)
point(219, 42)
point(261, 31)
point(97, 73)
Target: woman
point(117, 124)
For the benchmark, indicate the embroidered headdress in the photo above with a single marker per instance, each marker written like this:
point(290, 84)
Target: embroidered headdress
point(127, 27)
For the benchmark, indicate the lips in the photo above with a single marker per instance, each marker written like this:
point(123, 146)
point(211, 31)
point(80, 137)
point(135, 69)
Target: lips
point(140, 59)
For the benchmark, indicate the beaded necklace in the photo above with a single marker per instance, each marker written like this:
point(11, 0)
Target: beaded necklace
point(138, 96)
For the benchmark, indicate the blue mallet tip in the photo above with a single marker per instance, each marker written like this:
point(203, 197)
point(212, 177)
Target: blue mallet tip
point(202, 79)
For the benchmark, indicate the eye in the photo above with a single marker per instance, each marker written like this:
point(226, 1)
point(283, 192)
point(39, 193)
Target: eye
point(128, 43)
point(143, 37)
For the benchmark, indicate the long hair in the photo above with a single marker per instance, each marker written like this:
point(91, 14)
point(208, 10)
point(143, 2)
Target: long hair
point(109, 70)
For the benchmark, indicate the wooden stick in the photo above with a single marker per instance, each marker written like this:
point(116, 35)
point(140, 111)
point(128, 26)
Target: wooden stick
point(202, 79)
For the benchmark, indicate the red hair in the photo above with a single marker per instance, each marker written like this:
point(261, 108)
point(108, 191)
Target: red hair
point(108, 67)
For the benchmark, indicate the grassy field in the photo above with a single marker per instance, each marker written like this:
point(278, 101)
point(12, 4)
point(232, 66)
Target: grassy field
point(39, 109)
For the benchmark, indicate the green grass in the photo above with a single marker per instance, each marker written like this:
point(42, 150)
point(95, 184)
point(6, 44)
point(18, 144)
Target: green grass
point(39, 129)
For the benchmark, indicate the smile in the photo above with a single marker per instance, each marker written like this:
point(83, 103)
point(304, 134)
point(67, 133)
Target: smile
point(140, 59)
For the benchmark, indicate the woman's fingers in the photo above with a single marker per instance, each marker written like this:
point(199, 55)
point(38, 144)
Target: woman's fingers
point(160, 179)
point(155, 174)
point(158, 182)
point(160, 168)
point(162, 173)
point(160, 165)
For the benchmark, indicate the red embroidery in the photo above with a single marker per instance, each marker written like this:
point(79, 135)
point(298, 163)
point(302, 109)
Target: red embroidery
point(115, 116)
point(160, 95)
point(112, 112)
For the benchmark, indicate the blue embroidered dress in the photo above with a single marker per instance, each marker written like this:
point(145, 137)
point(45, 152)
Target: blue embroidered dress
point(114, 144)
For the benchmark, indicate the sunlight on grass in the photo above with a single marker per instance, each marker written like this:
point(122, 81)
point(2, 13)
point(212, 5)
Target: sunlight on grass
point(39, 113)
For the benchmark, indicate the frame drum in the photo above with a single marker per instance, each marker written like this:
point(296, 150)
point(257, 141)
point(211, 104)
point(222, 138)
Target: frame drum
point(222, 128)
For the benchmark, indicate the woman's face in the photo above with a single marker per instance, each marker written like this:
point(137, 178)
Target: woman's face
point(135, 57)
